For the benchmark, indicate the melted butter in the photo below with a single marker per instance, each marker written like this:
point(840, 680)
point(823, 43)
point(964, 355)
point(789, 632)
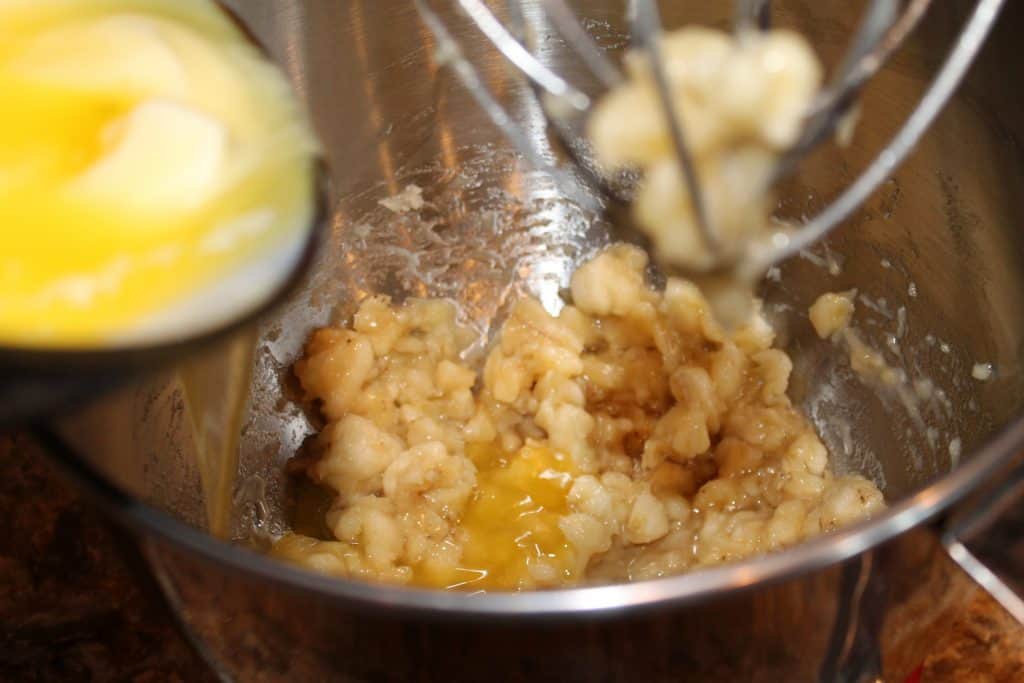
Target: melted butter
point(146, 151)
point(216, 391)
point(511, 522)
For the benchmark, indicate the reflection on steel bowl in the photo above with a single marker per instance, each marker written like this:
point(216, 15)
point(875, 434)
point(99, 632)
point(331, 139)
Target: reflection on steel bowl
point(844, 605)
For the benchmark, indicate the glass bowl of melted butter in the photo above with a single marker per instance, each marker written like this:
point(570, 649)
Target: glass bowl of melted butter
point(158, 178)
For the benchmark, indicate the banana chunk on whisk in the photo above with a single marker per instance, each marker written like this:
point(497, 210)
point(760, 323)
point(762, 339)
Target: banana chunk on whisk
point(741, 101)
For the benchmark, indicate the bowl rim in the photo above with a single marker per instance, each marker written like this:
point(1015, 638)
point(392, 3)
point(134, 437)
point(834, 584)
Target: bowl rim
point(672, 591)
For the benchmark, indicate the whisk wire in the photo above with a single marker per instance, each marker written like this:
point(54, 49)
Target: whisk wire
point(837, 99)
point(752, 15)
point(520, 57)
point(952, 72)
point(450, 53)
point(571, 29)
point(884, 27)
point(646, 26)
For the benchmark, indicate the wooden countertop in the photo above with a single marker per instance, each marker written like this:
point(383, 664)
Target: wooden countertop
point(76, 603)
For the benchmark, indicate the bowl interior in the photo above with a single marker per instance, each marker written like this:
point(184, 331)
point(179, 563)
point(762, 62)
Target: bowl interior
point(936, 254)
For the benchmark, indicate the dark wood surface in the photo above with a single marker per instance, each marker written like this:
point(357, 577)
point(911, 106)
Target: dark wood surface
point(76, 604)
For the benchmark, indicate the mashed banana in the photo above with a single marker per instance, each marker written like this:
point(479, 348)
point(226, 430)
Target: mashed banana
point(742, 102)
point(831, 313)
point(627, 438)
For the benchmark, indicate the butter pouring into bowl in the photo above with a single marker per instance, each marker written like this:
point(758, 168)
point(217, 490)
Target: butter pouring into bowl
point(159, 183)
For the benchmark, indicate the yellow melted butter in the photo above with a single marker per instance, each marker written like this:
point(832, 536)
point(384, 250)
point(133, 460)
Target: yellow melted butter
point(511, 522)
point(85, 263)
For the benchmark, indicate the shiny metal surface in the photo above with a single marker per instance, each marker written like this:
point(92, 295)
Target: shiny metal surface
point(883, 29)
point(993, 525)
point(940, 239)
point(916, 126)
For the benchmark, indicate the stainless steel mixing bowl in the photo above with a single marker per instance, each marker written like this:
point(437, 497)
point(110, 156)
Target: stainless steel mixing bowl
point(936, 256)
